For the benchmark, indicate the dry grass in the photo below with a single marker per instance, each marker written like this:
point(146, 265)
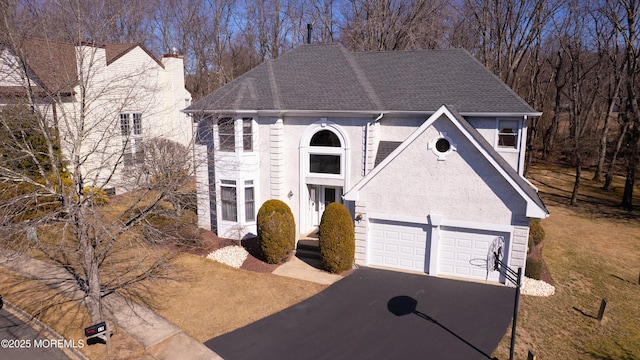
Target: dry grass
point(212, 299)
point(218, 299)
point(68, 318)
point(592, 252)
point(206, 299)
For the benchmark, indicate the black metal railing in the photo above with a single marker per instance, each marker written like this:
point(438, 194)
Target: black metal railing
point(515, 277)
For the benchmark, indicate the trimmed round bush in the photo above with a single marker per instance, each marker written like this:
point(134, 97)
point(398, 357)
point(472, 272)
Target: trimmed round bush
point(536, 232)
point(276, 231)
point(336, 238)
point(533, 268)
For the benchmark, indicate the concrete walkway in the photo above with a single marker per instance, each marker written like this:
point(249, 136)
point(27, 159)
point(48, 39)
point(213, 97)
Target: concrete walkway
point(298, 269)
point(160, 338)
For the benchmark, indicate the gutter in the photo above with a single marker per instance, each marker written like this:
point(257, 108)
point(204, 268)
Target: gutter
point(356, 112)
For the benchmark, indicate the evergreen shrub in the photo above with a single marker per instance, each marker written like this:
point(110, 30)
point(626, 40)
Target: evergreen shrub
point(336, 238)
point(536, 232)
point(533, 268)
point(276, 231)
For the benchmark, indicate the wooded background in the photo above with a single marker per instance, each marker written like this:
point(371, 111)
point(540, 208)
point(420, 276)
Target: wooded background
point(577, 61)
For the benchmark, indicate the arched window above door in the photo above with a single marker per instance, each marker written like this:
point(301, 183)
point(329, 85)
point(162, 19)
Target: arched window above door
point(325, 138)
point(325, 156)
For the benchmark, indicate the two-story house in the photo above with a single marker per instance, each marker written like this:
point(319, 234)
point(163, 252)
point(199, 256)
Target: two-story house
point(425, 148)
point(105, 100)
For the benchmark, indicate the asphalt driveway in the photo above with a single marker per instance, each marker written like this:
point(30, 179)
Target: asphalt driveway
point(361, 317)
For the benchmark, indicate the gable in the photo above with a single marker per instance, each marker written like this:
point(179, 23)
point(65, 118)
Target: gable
point(114, 52)
point(471, 175)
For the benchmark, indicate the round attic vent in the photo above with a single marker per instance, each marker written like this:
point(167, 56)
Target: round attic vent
point(442, 146)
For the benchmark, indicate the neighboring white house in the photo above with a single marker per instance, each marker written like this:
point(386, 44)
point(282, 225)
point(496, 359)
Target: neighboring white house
point(104, 99)
point(425, 148)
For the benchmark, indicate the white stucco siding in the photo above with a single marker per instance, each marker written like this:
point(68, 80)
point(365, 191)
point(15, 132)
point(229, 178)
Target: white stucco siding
point(283, 158)
point(239, 169)
point(489, 129)
point(463, 186)
point(398, 129)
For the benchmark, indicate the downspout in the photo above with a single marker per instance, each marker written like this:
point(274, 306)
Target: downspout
point(366, 141)
point(523, 147)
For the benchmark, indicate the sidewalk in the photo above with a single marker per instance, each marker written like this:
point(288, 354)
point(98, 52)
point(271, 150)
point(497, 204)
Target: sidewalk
point(298, 269)
point(160, 338)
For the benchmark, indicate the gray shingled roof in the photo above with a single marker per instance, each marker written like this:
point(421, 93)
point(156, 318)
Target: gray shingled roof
point(384, 149)
point(328, 77)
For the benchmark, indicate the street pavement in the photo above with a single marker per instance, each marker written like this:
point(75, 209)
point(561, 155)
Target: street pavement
point(19, 341)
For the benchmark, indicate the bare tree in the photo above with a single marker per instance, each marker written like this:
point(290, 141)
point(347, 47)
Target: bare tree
point(608, 45)
point(384, 25)
point(585, 82)
point(501, 32)
point(324, 19)
point(625, 15)
point(56, 167)
point(621, 138)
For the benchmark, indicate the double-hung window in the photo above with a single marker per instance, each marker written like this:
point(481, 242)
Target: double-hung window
point(131, 132)
point(247, 136)
point(249, 202)
point(226, 134)
point(237, 202)
point(228, 200)
point(508, 134)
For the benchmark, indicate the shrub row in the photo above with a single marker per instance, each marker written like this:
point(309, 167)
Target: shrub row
point(536, 234)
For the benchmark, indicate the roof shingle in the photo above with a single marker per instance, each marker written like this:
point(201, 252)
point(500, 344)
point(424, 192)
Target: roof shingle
point(328, 77)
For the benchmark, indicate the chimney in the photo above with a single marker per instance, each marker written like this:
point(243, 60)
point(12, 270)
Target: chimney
point(309, 28)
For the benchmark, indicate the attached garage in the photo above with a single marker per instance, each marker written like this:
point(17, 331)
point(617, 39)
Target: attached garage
point(439, 201)
point(463, 253)
point(399, 245)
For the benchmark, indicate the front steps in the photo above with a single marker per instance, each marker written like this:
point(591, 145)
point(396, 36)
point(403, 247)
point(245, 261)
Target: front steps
point(308, 250)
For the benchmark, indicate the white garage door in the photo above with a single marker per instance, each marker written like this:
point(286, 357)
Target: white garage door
point(398, 245)
point(463, 253)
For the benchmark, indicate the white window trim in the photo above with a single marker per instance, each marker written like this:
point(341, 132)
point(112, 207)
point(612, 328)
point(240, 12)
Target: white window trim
point(129, 140)
point(238, 135)
point(321, 150)
point(240, 186)
point(253, 128)
point(228, 184)
point(518, 135)
point(218, 143)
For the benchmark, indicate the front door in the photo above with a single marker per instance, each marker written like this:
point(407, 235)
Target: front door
point(319, 197)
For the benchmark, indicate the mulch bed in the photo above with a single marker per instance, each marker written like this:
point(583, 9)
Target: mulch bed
point(545, 275)
point(211, 242)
